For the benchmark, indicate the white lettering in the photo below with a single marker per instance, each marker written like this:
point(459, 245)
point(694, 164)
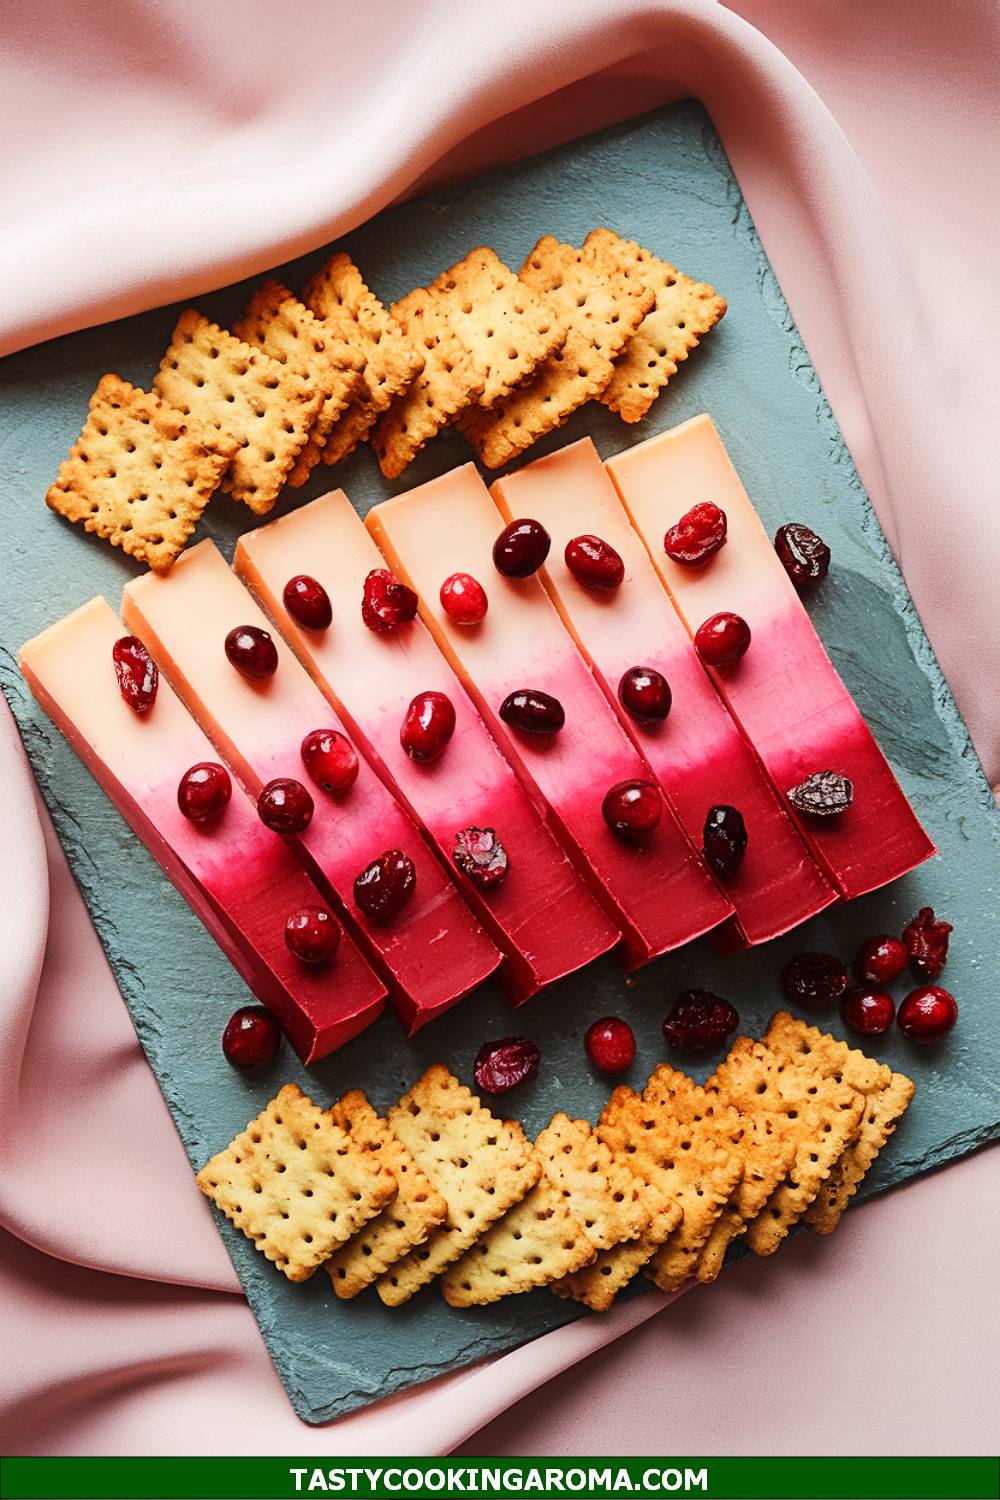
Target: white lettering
point(317, 1480)
point(696, 1479)
point(298, 1477)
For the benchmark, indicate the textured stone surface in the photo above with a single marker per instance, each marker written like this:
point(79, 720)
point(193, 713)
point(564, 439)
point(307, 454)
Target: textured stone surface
point(665, 181)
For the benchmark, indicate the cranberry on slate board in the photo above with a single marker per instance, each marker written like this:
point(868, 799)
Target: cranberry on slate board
point(927, 1014)
point(926, 942)
point(804, 556)
point(505, 1064)
point(610, 1044)
point(814, 979)
point(868, 1011)
point(700, 1021)
point(251, 1038)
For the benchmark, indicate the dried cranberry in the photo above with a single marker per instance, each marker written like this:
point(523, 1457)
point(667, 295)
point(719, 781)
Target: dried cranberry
point(881, 959)
point(926, 941)
point(252, 652)
point(645, 694)
point(204, 791)
point(428, 725)
point(533, 712)
point(724, 839)
point(285, 805)
point(699, 1021)
point(308, 602)
point(594, 563)
point(805, 556)
point(138, 677)
point(251, 1038)
point(521, 548)
point(385, 886)
point(867, 1011)
point(825, 794)
point(697, 536)
point(610, 1045)
point(814, 979)
point(927, 1014)
point(463, 599)
point(632, 808)
point(312, 934)
point(504, 1064)
point(480, 855)
point(722, 639)
point(330, 759)
point(386, 603)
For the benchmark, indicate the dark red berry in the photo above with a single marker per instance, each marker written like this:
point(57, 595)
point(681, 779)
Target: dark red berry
point(723, 639)
point(881, 959)
point(521, 548)
point(252, 652)
point(533, 712)
point(724, 839)
point(699, 1021)
point(825, 794)
point(330, 759)
point(251, 1038)
point(926, 941)
point(632, 808)
point(308, 602)
point(137, 673)
point(927, 1014)
point(610, 1045)
point(805, 557)
point(697, 536)
point(480, 855)
point(204, 791)
point(867, 1011)
point(383, 889)
point(285, 805)
point(504, 1064)
point(645, 694)
point(814, 979)
point(312, 934)
point(463, 599)
point(386, 603)
point(594, 563)
point(428, 725)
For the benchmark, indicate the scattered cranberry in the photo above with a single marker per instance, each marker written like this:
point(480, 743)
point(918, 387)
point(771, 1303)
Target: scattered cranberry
point(285, 805)
point(632, 808)
point(610, 1045)
point(927, 1014)
point(697, 536)
point(805, 556)
point(251, 1038)
point(252, 652)
point(428, 725)
point(138, 677)
point(504, 1064)
point(594, 563)
point(724, 840)
point(926, 941)
point(881, 959)
point(308, 602)
point(312, 934)
point(385, 602)
point(464, 599)
point(869, 1012)
point(699, 1021)
point(480, 855)
point(383, 889)
point(825, 794)
point(645, 694)
point(521, 548)
point(814, 979)
point(533, 712)
point(330, 759)
point(204, 791)
point(723, 639)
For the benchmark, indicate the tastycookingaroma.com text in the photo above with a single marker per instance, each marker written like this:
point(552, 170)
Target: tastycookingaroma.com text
point(609, 1479)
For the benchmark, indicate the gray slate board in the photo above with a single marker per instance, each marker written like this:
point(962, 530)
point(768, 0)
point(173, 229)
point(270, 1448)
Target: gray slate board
point(664, 180)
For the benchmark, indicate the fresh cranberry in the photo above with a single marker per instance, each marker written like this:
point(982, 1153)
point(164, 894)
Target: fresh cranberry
point(428, 725)
point(805, 556)
point(330, 759)
point(881, 959)
point(480, 855)
point(385, 886)
point(645, 694)
point(723, 639)
point(533, 712)
point(594, 563)
point(285, 805)
point(252, 652)
point(521, 548)
point(926, 941)
point(699, 1021)
point(463, 599)
point(724, 839)
point(138, 677)
point(204, 791)
point(308, 602)
point(312, 934)
point(867, 1011)
point(386, 603)
point(610, 1045)
point(927, 1014)
point(251, 1038)
point(697, 536)
point(814, 979)
point(632, 808)
point(504, 1064)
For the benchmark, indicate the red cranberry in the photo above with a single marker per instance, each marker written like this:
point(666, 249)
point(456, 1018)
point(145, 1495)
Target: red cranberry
point(926, 941)
point(383, 889)
point(386, 603)
point(533, 712)
point(138, 677)
point(805, 557)
point(251, 1038)
point(504, 1064)
point(312, 934)
point(632, 808)
point(285, 805)
point(723, 639)
point(645, 694)
point(480, 855)
point(927, 1014)
point(869, 1012)
point(204, 791)
point(724, 840)
point(594, 563)
point(697, 536)
point(881, 959)
point(610, 1045)
point(463, 599)
point(330, 759)
point(428, 725)
point(521, 548)
point(814, 979)
point(700, 1021)
point(308, 602)
point(252, 652)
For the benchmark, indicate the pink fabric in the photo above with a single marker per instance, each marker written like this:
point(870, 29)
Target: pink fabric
point(864, 140)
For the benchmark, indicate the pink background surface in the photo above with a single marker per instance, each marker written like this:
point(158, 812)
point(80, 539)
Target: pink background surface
point(864, 139)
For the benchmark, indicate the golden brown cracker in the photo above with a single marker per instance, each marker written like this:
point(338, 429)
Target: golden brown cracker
point(600, 1192)
point(767, 1159)
point(598, 1284)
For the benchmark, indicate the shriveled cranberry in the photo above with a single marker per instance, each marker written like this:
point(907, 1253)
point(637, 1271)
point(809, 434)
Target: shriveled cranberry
point(926, 941)
point(722, 639)
point(610, 1045)
point(203, 792)
point(312, 934)
point(428, 725)
point(308, 602)
point(463, 599)
point(700, 1021)
point(252, 652)
point(805, 556)
point(521, 548)
point(814, 979)
point(724, 839)
point(697, 536)
point(385, 886)
point(137, 673)
point(880, 960)
point(504, 1064)
point(632, 808)
point(645, 694)
point(251, 1038)
point(867, 1011)
point(594, 563)
point(330, 759)
point(480, 855)
point(285, 805)
point(533, 712)
point(927, 1014)
point(385, 602)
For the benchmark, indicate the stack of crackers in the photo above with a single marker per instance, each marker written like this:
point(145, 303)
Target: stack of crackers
point(299, 381)
point(439, 1189)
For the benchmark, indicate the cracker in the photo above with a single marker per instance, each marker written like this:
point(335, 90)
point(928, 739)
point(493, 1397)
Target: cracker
point(212, 375)
point(600, 1192)
point(767, 1159)
point(409, 1218)
point(140, 474)
point(295, 1184)
point(481, 1167)
point(598, 1284)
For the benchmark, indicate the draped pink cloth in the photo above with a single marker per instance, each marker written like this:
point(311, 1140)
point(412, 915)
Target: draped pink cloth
point(153, 151)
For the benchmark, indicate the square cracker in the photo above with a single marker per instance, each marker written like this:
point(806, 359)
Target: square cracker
point(598, 1284)
point(767, 1159)
point(399, 1228)
point(140, 474)
point(210, 374)
point(296, 1184)
point(600, 1192)
point(481, 1166)
point(887, 1096)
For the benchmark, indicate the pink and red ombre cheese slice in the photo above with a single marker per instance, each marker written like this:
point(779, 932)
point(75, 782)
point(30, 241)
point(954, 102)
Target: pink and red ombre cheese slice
point(237, 876)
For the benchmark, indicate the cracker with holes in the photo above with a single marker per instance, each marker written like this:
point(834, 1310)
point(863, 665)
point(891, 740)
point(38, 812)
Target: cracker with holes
point(481, 1167)
point(140, 474)
point(767, 1160)
point(289, 332)
point(408, 1219)
point(600, 1192)
point(296, 1184)
point(209, 374)
point(598, 1284)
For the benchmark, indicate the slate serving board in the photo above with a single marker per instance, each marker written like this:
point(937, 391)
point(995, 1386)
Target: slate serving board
point(665, 181)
